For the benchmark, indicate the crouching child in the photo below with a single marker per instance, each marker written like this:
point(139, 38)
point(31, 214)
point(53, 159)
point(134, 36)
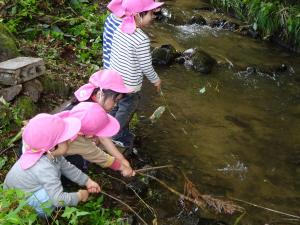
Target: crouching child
point(38, 171)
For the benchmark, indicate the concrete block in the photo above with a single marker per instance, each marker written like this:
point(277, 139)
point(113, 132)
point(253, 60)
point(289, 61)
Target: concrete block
point(21, 69)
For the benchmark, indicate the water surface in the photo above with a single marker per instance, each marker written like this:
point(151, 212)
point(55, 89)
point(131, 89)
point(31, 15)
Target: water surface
point(239, 138)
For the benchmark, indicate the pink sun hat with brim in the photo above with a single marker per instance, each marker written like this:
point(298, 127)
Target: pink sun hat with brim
point(103, 79)
point(94, 119)
point(115, 6)
point(129, 8)
point(42, 133)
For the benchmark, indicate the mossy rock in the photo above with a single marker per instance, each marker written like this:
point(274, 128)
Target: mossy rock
point(164, 55)
point(197, 19)
point(202, 62)
point(26, 106)
point(54, 86)
point(8, 48)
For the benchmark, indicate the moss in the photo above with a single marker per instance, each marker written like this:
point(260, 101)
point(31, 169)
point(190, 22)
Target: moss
point(8, 48)
point(57, 87)
point(25, 107)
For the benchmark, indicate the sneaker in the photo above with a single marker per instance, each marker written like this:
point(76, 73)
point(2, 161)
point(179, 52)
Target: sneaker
point(119, 143)
point(125, 141)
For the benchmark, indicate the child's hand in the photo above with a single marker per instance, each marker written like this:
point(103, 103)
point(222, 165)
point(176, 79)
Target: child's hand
point(83, 195)
point(92, 186)
point(125, 162)
point(157, 84)
point(127, 171)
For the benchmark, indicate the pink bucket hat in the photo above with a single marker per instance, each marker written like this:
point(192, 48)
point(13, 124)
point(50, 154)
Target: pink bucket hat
point(42, 133)
point(129, 8)
point(104, 79)
point(94, 120)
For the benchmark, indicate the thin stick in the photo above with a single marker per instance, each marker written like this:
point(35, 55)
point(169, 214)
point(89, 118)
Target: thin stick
point(131, 209)
point(148, 206)
point(11, 144)
point(4, 150)
point(153, 168)
point(167, 105)
point(56, 215)
point(262, 207)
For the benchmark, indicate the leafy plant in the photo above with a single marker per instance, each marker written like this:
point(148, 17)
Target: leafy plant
point(270, 18)
point(3, 160)
point(14, 208)
point(73, 214)
point(79, 23)
point(134, 122)
point(99, 215)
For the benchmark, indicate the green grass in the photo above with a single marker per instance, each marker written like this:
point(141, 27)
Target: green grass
point(269, 17)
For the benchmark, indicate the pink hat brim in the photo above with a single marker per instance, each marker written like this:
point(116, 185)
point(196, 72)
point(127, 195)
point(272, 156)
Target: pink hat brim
point(99, 77)
point(154, 5)
point(72, 128)
point(28, 159)
point(63, 114)
point(115, 6)
point(111, 129)
point(122, 89)
point(84, 92)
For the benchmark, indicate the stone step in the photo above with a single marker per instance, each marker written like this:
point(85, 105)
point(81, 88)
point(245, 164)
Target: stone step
point(21, 69)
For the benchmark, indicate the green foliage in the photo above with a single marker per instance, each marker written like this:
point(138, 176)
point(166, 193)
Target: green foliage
point(100, 216)
point(3, 160)
point(79, 23)
point(24, 108)
point(134, 122)
point(269, 17)
point(11, 117)
point(73, 214)
point(14, 209)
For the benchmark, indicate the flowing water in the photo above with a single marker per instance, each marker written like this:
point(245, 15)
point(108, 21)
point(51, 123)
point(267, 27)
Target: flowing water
point(236, 134)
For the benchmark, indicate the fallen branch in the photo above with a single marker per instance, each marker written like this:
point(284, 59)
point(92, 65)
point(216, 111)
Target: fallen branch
point(197, 201)
point(265, 208)
point(131, 209)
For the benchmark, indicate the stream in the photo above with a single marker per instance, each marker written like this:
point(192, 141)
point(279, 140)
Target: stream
point(235, 134)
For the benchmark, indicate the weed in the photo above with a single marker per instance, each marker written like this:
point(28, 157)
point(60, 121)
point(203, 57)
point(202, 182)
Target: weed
point(270, 18)
point(14, 208)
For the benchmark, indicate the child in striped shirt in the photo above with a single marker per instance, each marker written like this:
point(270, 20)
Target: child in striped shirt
point(130, 55)
point(111, 24)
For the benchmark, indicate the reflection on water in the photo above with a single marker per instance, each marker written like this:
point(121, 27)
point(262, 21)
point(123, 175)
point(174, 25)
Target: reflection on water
point(239, 137)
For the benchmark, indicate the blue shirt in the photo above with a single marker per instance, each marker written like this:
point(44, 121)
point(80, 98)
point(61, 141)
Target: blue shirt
point(110, 26)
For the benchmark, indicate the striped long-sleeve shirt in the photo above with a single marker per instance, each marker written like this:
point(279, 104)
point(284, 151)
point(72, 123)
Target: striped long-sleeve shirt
point(131, 57)
point(110, 26)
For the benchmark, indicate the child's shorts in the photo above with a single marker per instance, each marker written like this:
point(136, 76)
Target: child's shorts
point(40, 201)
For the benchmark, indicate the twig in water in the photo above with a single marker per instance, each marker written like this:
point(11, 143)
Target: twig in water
point(131, 209)
point(148, 206)
point(218, 205)
point(153, 168)
point(262, 207)
point(167, 105)
point(195, 197)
